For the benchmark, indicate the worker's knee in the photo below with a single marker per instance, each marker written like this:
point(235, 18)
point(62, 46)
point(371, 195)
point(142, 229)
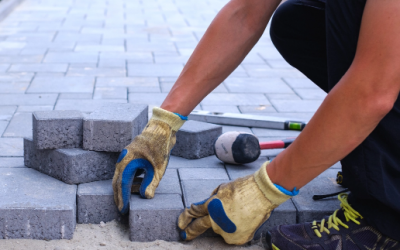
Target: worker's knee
point(283, 28)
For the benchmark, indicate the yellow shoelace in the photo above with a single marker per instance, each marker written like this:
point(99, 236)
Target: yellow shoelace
point(333, 221)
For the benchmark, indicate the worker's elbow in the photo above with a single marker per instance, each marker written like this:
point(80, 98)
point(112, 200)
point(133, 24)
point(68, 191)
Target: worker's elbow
point(379, 104)
point(252, 14)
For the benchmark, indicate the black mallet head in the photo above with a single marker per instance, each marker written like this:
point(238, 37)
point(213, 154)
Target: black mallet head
point(237, 147)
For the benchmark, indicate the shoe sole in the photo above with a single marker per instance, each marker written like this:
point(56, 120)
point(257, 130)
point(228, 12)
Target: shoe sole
point(270, 245)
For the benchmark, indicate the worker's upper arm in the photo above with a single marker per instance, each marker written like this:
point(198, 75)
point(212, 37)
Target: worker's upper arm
point(378, 49)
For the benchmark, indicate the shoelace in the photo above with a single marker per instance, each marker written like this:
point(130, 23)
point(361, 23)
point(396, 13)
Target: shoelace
point(334, 221)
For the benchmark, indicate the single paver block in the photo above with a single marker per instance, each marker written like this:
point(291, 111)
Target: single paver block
point(72, 166)
point(237, 171)
point(196, 140)
point(206, 162)
point(155, 219)
point(12, 162)
point(202, 174)
point(310, 210)
point(96, 202)
point(35, 206)
point(57, 129)
point(197, 190)
point(96, 199)
point(113, 127)
point(169, 184)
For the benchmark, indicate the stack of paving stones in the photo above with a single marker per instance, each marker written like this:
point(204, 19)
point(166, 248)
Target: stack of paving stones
point(80, 152)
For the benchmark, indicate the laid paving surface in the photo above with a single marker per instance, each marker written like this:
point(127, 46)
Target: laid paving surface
point(81, 55)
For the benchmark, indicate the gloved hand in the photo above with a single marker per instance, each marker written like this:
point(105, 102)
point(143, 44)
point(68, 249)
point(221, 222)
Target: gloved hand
point(236, 209)
point(150, 152)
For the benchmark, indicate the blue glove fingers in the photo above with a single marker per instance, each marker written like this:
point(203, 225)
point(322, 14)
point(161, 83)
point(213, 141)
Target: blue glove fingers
point(217, 213)
point(148, 177)
point(128, 176)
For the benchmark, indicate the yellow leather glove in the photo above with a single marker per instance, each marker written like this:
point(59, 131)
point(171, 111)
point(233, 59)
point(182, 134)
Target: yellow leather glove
point(150, 152)
point(236, 209)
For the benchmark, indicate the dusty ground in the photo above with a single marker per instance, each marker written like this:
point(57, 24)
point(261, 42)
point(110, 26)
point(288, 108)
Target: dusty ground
point(112, 235)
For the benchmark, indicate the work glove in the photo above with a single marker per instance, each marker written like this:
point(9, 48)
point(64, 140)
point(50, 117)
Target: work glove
point(236, 209)
point(149, 153)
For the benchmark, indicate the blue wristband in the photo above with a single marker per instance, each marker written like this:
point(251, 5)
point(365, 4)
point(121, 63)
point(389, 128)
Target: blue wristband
point(290, 193)
point(183, 118)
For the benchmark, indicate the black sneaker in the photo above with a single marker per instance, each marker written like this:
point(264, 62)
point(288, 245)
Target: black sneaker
point(345, 229)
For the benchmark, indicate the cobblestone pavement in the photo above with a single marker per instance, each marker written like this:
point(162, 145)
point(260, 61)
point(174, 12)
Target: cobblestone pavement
point(79, 54)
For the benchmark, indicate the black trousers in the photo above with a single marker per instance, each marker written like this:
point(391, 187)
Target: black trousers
point(319, 38)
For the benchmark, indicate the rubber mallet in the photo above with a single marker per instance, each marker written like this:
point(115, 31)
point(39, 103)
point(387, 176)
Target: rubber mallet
point(240, 148)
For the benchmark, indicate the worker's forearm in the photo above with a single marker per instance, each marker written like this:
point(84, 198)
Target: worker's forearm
point(230, 37)
point(347, 116)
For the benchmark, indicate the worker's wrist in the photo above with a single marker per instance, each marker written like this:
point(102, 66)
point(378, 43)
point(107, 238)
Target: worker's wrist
point(174, 120)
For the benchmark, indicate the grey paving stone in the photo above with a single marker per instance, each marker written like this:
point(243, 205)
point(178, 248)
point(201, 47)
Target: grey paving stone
point(80, 70)
point(235, 99)
point(337, 165)
point(45, 84)
point(21, 59)
point(31, 109)
point(4, 67)
point(110, 93)
point(155, 99)
point(112, 63)
point(296, 106)
point(72, 166)
point(16, 77)
point(279, 64)
point(237, 171)
point(3, 126)
point(57, 129)
point(221, 108)
point(95, 203)
point(14, 87)
point(155, 219)
point(7, 112)
point(39, 67)
point(33, 51)
point(86, 106)
point(98, 48)
point(113, 127)
point(202, 174)
point(75, 96)
point(130, 57)
point(257, 109)
point(40, 208)
point(263, 71)
point(12, 162)
point(308, 209)
point(282, 96)
point(198, 190)
point(11, 147)
point(148, 70)
point(127, 82)
point(300, 83)
point(226, 128)
point(311, 93)
point(71, 57)
point(169, 184)
point(257, 85)
point(31, 99)
point(195, 140)
point(206, 162)
point(20, 126)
